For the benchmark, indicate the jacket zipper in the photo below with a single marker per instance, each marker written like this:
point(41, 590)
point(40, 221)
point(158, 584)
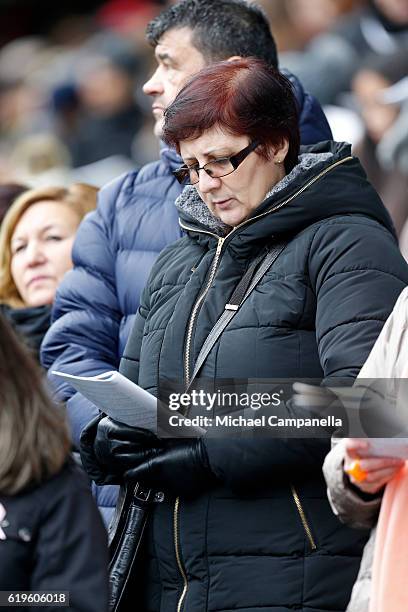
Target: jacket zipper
point(303, 518)
point(178, 557)
point(187, 352)
point(187, 357)
point(187, 372)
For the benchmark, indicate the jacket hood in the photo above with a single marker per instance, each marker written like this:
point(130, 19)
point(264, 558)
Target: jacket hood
point(328, 181)
point(170, 156)
point(313, 125)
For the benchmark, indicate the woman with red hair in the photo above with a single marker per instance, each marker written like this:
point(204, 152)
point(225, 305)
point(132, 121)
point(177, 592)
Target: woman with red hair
point(298, 246)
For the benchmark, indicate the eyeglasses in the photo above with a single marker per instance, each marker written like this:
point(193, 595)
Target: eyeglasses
point(189, 175)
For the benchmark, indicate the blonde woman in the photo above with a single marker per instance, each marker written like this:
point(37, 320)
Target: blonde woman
point(51, 534)
point(36, 239)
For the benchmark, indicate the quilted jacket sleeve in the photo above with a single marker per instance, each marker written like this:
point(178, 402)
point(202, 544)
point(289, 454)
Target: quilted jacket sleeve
point(313, 124)
point(129, 364)
point(345, 501)
point(357, 273)
point(83, 338)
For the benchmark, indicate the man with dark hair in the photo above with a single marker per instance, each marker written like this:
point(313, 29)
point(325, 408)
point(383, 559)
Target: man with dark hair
point(193, 33)
point(219, 29)
point(117, 245)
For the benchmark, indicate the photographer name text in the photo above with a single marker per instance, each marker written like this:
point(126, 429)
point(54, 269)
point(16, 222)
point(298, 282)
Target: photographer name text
point(241, 421)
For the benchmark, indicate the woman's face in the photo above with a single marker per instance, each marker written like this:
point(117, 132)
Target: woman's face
point(41, 248)
point(232, 198)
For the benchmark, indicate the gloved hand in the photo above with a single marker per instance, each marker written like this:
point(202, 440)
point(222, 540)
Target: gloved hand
point(109, 448)
point(180, 467)
point(92, 467)
point(121, 446)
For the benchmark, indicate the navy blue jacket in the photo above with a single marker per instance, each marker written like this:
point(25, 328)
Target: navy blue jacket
point(114, 251)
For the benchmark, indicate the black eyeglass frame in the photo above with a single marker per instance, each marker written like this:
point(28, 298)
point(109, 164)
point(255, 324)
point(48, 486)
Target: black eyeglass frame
point(235, 160)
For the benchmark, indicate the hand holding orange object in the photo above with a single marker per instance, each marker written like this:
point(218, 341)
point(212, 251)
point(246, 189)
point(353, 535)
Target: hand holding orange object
point(356, 472)
point(368, 472)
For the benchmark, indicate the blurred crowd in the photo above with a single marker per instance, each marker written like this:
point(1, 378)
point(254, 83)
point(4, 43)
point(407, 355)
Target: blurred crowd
point(72, 107)
point(71, 102)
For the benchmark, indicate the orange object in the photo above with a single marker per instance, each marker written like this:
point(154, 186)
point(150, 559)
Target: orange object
point(356, 472)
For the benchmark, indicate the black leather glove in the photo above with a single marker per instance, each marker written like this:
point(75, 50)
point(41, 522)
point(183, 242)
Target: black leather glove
point(109, 448)
point(180, 467)
point(92, 467)
point(120, 446)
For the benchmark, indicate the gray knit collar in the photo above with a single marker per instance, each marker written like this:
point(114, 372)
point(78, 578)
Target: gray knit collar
point(190, 203)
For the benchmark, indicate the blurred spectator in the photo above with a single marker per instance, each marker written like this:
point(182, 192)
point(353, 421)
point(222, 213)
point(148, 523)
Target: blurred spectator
point(314, 18)
point(21, 56)
point(371, 88)
point(296, 22)
point(82, 92)
point(327, 66)
point(65, 104)
point(41, 159)
point(72, 30)
point(110, 117)
point(8, 193)
point(393, 148)
point(36, 240)
point(21, 96)
point(51, 534)
point(128, 18)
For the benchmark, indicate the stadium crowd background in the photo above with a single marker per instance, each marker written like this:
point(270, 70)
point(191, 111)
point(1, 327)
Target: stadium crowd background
point(71, 76)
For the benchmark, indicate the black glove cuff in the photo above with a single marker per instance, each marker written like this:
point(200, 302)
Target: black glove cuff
point(90, 463)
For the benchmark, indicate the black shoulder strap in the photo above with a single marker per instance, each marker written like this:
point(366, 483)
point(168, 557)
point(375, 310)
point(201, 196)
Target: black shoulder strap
point(246, 285)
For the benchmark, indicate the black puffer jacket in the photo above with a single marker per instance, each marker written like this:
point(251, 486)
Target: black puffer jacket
point(52, 539)
point(265, 537)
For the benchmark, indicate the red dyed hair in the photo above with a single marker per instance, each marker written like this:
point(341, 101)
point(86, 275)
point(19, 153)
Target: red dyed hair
point(242, 97)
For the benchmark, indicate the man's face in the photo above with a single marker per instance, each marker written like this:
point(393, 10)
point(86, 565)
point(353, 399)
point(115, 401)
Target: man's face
point(177, 60)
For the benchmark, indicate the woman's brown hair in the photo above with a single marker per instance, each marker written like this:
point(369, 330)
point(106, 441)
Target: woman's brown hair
point(243, 97)
point(80, 197)
point(34, 438)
